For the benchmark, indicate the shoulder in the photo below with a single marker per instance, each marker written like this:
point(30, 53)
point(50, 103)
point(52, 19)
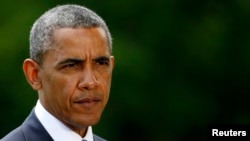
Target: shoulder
point(97, 138)
point(30, 130)
point(14, 135)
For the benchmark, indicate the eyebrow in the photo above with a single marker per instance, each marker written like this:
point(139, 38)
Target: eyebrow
point(75, 60)
point(70, 60)
point(101, 58)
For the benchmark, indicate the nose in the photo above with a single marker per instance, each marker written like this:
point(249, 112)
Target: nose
point(88, 80)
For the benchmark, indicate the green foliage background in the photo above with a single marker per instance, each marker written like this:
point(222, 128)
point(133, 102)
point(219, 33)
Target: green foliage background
point(180, 65)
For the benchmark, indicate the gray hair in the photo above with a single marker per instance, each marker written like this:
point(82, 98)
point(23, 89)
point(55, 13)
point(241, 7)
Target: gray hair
point(64, 16)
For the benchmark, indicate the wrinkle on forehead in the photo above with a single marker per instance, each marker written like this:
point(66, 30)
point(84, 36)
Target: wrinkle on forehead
point(79, 43)
point(66, 33)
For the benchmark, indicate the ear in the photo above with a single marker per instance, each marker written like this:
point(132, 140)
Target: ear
point(112, 61)
point(31, 70)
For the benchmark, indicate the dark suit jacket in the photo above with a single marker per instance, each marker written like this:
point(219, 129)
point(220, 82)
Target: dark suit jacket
point(32, 130)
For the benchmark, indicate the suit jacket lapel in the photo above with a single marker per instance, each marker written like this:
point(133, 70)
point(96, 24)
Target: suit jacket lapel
point(97, 138)
point(33, 129)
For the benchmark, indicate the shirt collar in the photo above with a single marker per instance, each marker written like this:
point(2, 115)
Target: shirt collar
point(57, 130)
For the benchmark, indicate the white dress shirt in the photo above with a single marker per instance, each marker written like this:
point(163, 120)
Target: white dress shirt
point(56, 129)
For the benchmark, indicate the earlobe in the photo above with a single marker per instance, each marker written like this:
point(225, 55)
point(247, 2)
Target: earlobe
point(31, 71)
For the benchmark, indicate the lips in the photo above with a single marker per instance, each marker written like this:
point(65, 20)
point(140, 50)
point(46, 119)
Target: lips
point(88, 102)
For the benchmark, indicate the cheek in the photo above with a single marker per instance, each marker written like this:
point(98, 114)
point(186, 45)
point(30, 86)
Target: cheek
point(105, 85)
point(105, 78)
point(65, 91)
point(62, 87)
point(68, 87)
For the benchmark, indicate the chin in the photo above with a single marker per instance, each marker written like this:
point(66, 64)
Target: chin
point(88, 121)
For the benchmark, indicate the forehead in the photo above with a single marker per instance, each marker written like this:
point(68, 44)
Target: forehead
point(65, 35)
point(87, 38)
point(78, 42)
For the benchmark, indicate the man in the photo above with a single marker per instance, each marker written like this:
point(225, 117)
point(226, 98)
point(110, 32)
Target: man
point(70, 66)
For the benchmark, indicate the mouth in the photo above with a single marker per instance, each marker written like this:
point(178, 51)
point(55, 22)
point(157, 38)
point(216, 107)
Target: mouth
point(88, 102)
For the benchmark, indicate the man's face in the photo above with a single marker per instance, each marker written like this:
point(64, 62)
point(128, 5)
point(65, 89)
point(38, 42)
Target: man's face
point(76, 76)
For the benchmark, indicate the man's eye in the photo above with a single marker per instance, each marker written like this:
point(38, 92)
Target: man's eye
point(70, 65)
point(103, 62)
